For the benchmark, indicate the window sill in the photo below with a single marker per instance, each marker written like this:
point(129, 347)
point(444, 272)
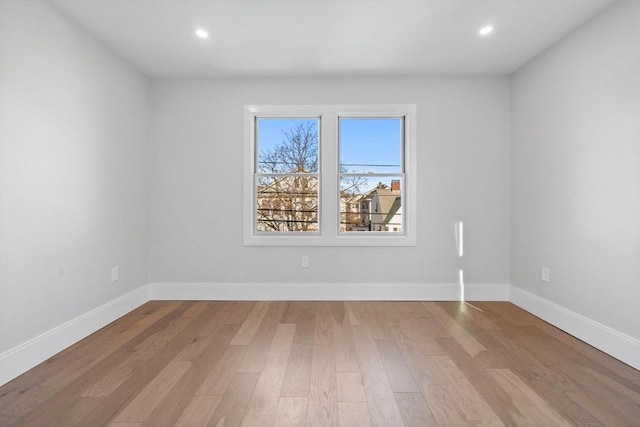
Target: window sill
point(339, 241)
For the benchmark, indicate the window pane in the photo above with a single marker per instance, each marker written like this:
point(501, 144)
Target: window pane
point(287, 203)
point(371, 203)
point(371, 145)
point(287, 145)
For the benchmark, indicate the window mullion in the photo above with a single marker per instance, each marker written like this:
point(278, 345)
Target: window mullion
point(329, 204)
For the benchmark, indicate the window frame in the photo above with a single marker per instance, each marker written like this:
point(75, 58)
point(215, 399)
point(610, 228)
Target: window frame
point(295, 175)
point(328, 233)
point(401, 173)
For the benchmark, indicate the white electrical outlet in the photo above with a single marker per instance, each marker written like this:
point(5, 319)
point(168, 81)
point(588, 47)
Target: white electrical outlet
point(304, 263)
point(546, 274)
point(115, 274)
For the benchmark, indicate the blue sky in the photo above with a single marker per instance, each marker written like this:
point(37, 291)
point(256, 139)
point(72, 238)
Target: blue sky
point(367, 144)
point(271, 131)
point(363, 142)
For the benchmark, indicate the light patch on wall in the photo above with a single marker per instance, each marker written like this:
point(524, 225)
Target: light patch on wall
point(203, 34)
point(486, 30)
point(459, 235)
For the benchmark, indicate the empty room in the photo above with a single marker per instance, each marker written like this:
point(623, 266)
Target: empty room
point(319, 213)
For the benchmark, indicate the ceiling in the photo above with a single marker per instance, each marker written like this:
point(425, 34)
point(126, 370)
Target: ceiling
point(328, 37)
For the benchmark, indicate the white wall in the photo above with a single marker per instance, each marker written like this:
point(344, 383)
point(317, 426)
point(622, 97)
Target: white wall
point(73, 173)
point(196, 181)
point(575, 171)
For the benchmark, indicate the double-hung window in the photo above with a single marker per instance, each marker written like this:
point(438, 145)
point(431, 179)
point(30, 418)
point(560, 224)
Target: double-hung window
point(330, 175)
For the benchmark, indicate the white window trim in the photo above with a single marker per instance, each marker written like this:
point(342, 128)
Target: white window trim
point(328, 152)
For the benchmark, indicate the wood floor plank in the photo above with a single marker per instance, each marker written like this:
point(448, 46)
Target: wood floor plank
point(353, 414)
point(429, 326)
point(497, 358)
point(124, 425)
point(349, 312)
point(68, 368)
point(451, 397)
point(507, 313)
point(219, 377)
point(263, 404)
point(338, 311)
point(158, 340)
point(323, 331)
point(599, 357)
point(545, 380)
point(350, 387)
point(202, 330)
point(372, 312)
point(298, 310)
point(535, 410)
point(612, 386)
point(258, 347)
point(144, 351)
point(391, 311)
point(419, 331)
point(559, 353)
point(195, 309)
point(466, 340)
point(70, 414)
point(232, 405)
point(140, 378)
point(411, 341)
point(291, 412)
point(382, 405)
point(399, 375)
point(79, 409)
point(322, 407)
point(145, 402)
point(239, 311)
point(199, 411)
point(343, 344)
point(414, 410)
point(478, 316)
point(172, 406)
point(251, 324)
point(64, 400)
point(497, 398)
point(551, 361)
point(420, 365)
point(113, 379)
point(153, 315)
point(591, 385)
point(607, 412)
point(466, 315)
point(298, 375)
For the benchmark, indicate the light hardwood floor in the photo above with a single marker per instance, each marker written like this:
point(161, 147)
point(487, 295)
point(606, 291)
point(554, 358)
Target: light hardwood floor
point(382, 364)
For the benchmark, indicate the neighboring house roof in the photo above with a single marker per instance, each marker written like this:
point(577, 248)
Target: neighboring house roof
point(395, 207)
point(345, 196)
point(286, 180)
point(386, 197)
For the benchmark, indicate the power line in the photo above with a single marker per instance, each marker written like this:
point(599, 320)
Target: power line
point(367, 164)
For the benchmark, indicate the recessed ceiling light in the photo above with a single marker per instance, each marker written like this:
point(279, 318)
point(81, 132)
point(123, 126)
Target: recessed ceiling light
point(202, 33)
point(485, 30)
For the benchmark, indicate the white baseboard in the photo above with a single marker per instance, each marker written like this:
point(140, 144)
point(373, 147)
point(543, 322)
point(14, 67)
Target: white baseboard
point(25, 356)
point(328, 291)
point(609, 340)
